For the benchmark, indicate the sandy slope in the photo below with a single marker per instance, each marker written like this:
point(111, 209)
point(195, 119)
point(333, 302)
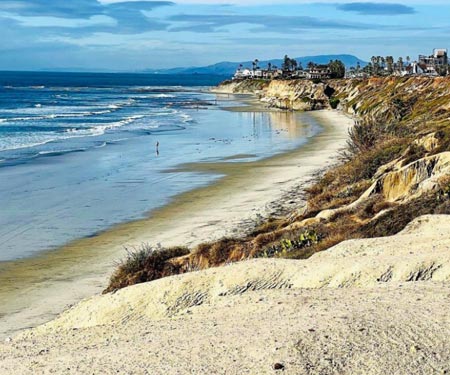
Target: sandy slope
point(379, 306)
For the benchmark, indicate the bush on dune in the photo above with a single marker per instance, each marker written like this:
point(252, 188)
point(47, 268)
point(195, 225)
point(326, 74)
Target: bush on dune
point(145, 264)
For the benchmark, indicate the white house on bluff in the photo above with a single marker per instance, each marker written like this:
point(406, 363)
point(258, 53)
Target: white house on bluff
point(433, 65)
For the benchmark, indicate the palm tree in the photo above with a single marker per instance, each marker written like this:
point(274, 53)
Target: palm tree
point(374, 65)
point(400, 63)
point(408, 59)
point(255, 64)
point(390, 64)
point(379, 63)
point(286, 66)
point(294, 64)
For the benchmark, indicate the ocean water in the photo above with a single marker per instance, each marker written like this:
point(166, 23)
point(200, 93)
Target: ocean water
point(78, 151)
point(53, 113)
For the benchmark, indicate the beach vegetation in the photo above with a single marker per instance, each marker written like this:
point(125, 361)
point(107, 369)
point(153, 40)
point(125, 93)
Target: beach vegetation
point(291, 242)
point(145, 263)
point(334, 102)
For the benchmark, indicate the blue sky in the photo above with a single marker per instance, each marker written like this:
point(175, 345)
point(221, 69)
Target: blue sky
point(134, 35)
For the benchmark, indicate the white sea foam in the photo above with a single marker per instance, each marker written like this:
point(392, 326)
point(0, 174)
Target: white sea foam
point(22, 143)
point(165, 96)
point(186, 118)
point(39, 139)
point(66, 151)
point(53, 116)
point(101, 129)
point(163, 114)
point(103, 144)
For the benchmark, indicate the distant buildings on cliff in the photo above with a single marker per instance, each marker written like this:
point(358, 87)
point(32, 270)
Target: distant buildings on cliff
point(436, 64)
point(433, 65)
point(313, 72)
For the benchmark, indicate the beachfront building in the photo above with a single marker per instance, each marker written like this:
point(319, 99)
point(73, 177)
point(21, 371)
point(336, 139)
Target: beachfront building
point(242, 73)
point(318, 72)
point(433, 65)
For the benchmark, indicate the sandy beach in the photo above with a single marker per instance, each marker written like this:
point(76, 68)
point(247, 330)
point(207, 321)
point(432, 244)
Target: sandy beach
point(36, 290)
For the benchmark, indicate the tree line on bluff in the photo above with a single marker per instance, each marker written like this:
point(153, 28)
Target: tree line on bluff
point(336, 68)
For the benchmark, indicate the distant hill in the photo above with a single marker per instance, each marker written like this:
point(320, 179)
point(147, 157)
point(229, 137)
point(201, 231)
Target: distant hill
point(228, 68)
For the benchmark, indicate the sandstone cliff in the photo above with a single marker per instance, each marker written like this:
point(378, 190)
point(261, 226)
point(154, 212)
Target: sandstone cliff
point(371, 100)
point(411, 115)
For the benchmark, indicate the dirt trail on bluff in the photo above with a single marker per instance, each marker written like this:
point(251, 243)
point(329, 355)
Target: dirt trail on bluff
point(377, 306)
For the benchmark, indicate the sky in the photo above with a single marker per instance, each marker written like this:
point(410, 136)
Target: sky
point(134, 35)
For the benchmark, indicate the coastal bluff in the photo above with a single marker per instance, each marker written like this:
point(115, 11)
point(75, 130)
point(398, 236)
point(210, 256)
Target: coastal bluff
point(366, 98)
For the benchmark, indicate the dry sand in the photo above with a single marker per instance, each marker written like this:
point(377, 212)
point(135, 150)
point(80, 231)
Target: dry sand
point(35, 291)
point(378, 306)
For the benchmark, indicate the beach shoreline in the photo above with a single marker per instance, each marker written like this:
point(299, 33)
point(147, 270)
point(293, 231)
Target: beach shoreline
point(228, 207)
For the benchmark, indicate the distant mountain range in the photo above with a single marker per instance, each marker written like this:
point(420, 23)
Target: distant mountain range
point(228, 68)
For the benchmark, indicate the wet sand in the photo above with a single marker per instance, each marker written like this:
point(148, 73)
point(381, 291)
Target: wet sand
point(34, 290)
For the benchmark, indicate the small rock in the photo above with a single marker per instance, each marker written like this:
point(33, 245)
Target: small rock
point(278, 366)
point(414, 349)
point(8, 340)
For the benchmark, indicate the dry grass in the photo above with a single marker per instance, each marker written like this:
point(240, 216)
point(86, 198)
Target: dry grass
point(145, 264)
point(217, 253)
point(396, 219)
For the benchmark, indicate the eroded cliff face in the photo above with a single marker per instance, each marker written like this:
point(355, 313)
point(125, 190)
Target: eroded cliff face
point(415, 105)
point(371, 100)
point(397, 163)
point(300, 95)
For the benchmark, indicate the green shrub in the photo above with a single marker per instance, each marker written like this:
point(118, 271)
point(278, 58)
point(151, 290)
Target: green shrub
point(334, 102)
point(294, 241)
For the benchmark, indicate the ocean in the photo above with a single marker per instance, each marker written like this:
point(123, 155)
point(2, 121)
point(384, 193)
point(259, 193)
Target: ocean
point(51, 113)
point(82, 152)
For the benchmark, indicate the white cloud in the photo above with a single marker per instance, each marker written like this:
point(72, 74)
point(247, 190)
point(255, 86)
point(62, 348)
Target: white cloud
point(108, 40)
point(44, 21)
